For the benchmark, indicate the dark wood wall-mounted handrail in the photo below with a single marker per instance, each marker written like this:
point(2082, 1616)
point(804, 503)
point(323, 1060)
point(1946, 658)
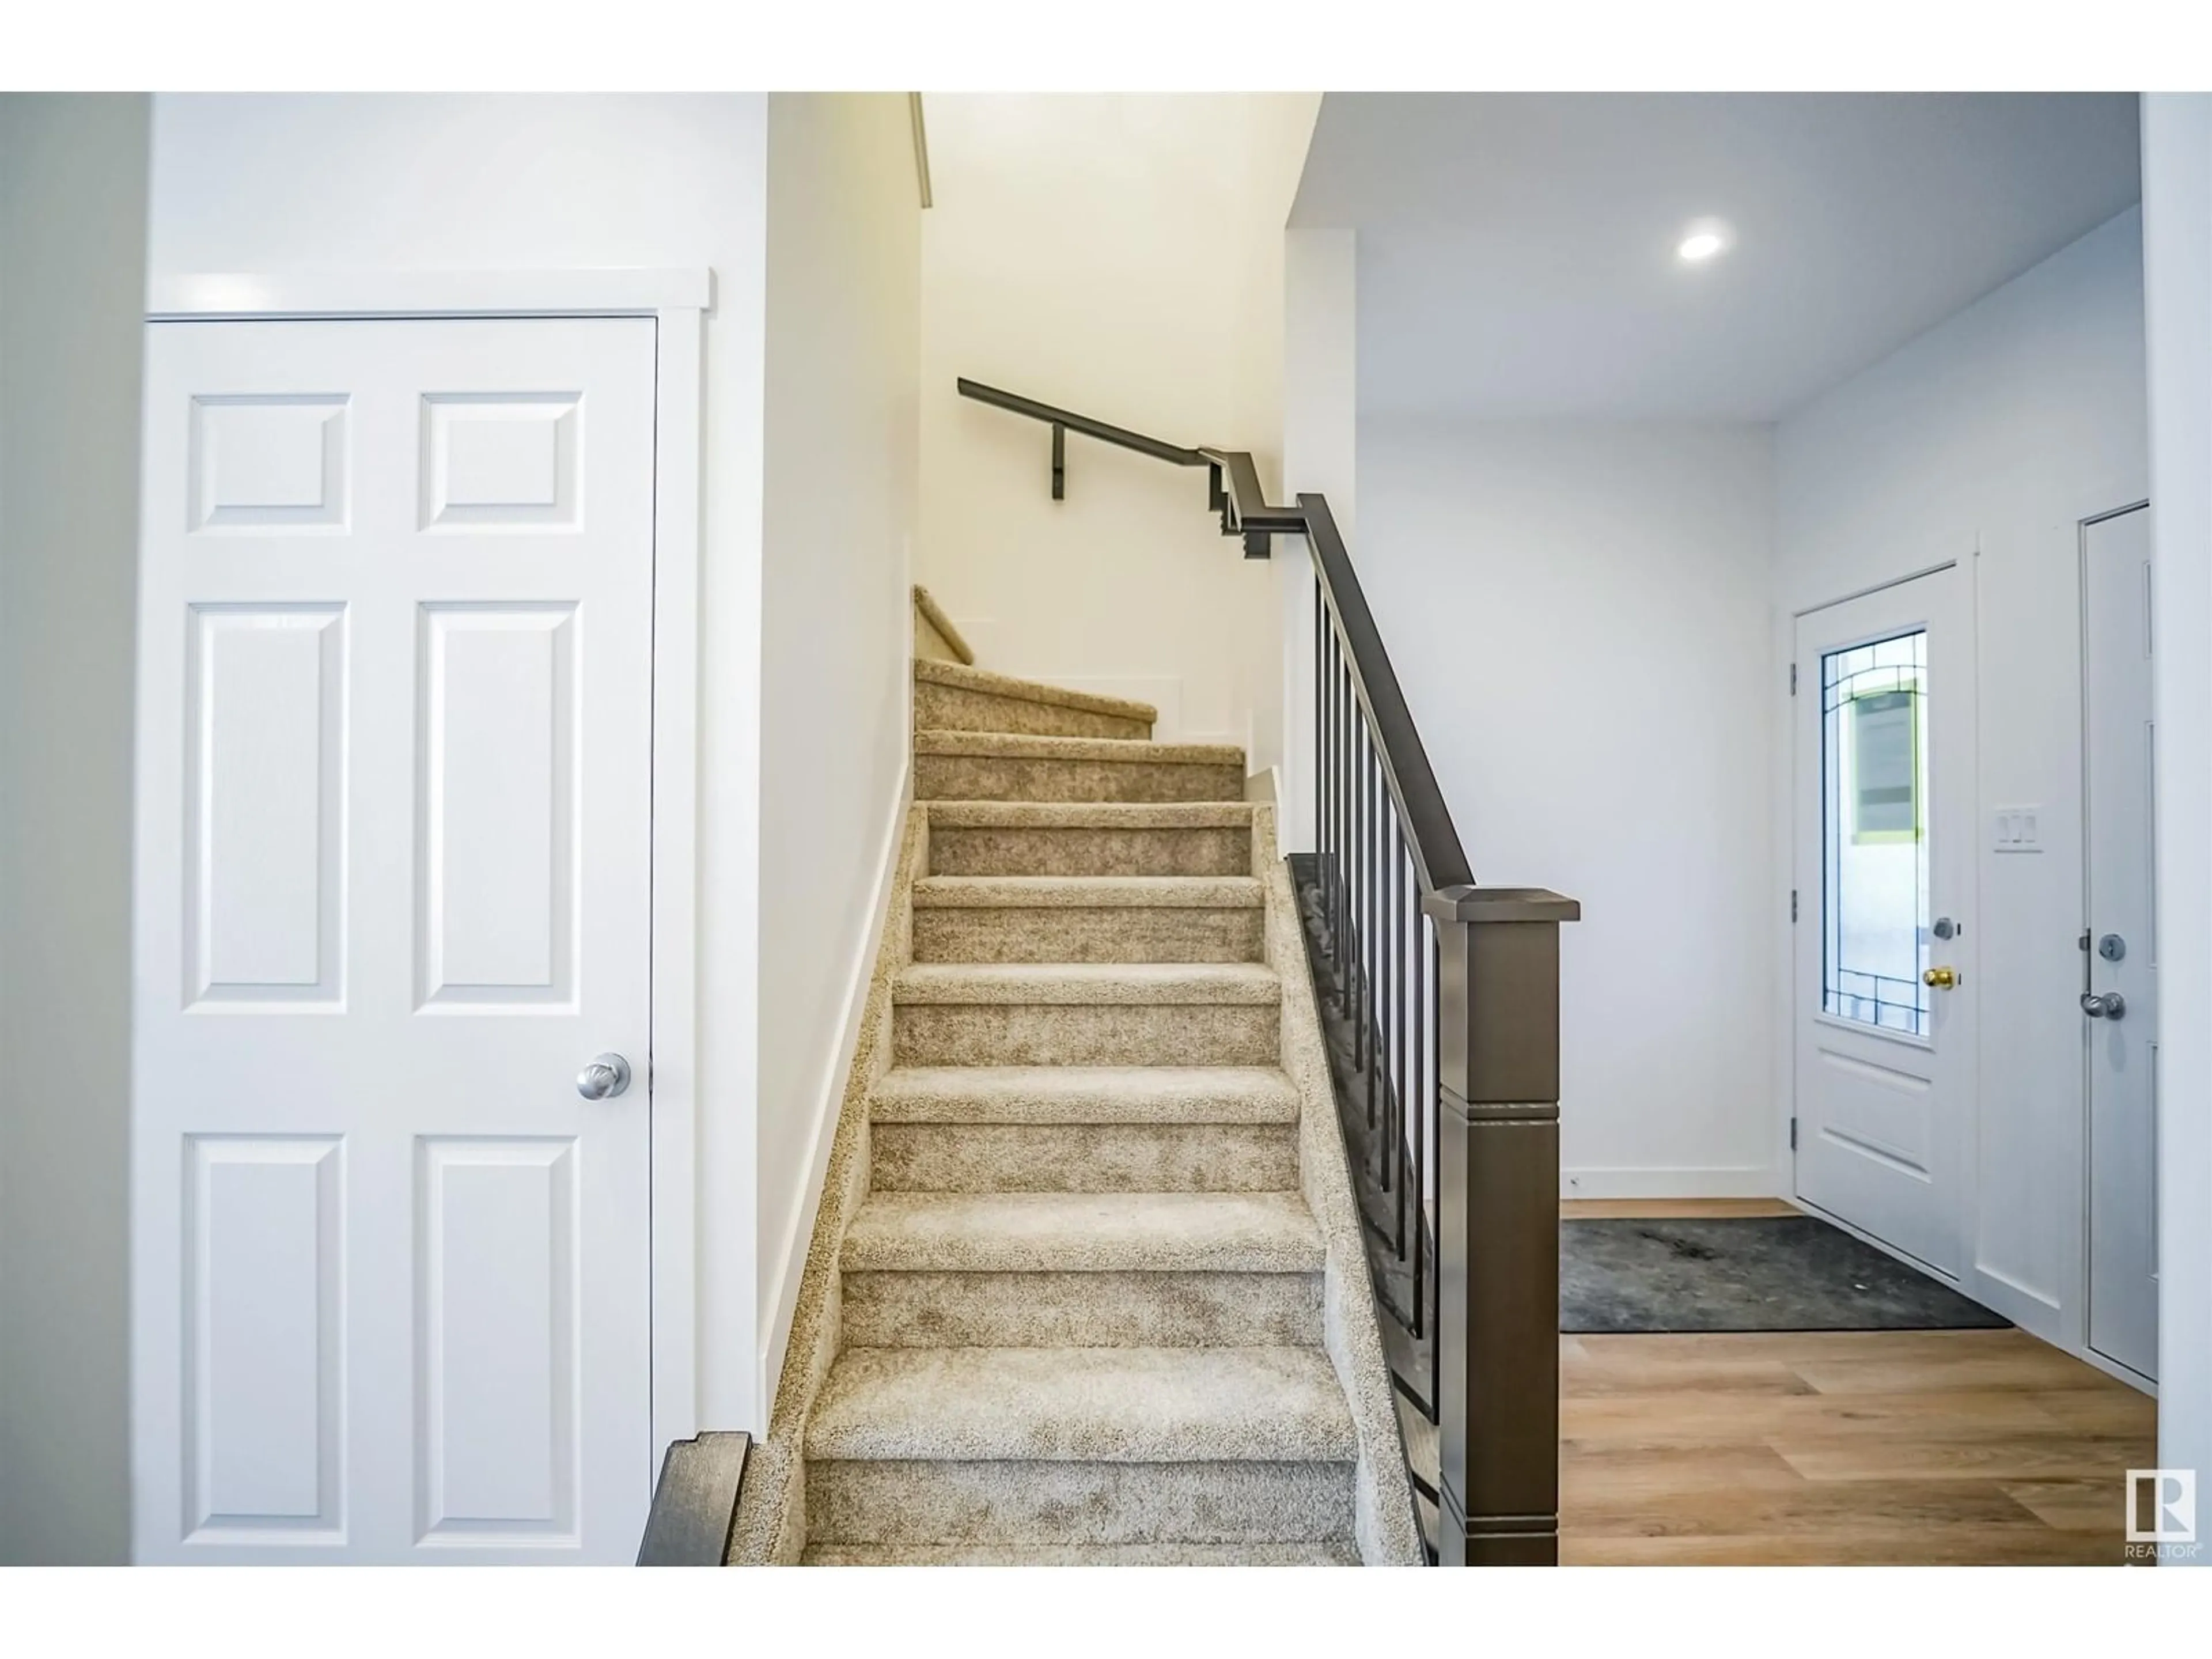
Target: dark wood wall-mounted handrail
point(1448, 995)
point(1246, 511)
point(1158, 448)
point(1233, 481)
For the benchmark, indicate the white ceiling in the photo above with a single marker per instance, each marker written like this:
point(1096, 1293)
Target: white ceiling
point(1516, 251)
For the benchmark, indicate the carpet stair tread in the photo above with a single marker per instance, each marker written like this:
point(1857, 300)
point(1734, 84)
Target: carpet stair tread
point(1092, 1405)
point(1088, 892)
point(1084, 1094)
point(1088, 983)
point(1081, 1555)
point(1029, 745)
point(989, 683)
point(1083, 1232)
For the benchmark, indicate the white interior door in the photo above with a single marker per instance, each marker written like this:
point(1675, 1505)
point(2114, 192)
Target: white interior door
point(1884, 983)
point(390, 1270)
point(2120, 963)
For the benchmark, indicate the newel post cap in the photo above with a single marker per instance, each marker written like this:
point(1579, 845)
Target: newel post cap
point(1482, 904)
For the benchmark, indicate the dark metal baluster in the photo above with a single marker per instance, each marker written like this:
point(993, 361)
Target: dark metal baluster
point(1385, 859)
point(1378, 928)
point(1344, 744)
point(1328, 829)
point(1354, 734)
point(1325, 770)
point(1340, 889)
point(1359, 920)
point(1365, 920)
point(1398, 1021)
point(1320, 749)
point(1423, 1116)
point(1379, 1007)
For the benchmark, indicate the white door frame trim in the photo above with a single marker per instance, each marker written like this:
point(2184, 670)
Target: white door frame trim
point(2075, 1327)
point(677, 301)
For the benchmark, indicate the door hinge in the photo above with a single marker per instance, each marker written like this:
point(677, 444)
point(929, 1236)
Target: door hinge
point(1793, 1135)
point(1793, 904)
point(1793, 679)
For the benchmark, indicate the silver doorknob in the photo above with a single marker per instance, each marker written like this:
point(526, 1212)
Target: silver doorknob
point(2110, 1006)
point(607, 1076)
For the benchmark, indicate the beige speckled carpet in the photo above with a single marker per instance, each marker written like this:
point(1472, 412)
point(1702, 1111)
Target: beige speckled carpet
point(1082, 1307)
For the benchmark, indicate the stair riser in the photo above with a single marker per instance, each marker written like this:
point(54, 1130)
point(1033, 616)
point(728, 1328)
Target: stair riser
point(1083, 1157)
point(957, 851)
point(1038, 1502)
point(1086, 1033)
point(957, 708)
point(1108, 933)
point(1019, 777)
point(1081, 1310)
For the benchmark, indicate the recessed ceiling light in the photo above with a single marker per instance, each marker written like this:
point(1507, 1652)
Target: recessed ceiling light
point(1702, 241)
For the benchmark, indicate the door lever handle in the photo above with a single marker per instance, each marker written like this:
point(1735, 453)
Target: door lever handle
point(2110, 1006)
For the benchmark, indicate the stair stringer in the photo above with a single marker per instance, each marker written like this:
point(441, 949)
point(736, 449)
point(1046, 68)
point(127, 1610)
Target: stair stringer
point(771, 1523)
point(1384, 1523)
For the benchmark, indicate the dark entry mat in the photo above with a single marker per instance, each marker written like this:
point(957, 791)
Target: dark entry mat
point(1794, 1272)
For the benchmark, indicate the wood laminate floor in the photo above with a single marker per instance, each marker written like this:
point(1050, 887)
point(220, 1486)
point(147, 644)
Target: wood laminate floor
point(1954, 1447)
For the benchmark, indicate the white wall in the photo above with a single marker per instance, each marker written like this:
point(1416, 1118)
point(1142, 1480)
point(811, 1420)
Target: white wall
point(1986, 439)
point(488, 182)
point(1578, 615)
point(843, 327)
point(1321, 456)
point(2177, 138)
point(72, 263)
point(1120, 256)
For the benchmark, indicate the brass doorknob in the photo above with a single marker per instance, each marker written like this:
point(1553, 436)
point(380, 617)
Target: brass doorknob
point(1941, 978)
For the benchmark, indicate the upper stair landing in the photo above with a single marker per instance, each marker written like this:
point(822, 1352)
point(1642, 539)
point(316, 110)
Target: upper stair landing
point(952, 696)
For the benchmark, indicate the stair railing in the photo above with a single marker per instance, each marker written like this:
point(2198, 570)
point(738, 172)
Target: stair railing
point(695, 1501)
point(1446, 996)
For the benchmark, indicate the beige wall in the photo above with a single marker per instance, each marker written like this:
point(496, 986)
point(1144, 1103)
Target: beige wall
point(843, 269)
point(1120, 256)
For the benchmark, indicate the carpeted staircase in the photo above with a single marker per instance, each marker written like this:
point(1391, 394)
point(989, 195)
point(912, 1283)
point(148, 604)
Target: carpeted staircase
point(1081, 1302)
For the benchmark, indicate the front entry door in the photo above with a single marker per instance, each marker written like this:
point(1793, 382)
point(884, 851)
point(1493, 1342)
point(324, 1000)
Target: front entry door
point(390, 1267)
point(1884, 981)
point(2119, 964)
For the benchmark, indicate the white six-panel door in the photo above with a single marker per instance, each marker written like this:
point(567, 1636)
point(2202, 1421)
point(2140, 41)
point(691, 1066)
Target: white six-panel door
point(390, 1270)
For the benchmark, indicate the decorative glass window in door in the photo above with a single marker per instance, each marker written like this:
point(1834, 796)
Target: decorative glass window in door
point(1873, 808)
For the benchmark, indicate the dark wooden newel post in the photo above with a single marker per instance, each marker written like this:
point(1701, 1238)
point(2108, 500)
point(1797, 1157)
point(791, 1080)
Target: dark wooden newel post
point(1497, 1224)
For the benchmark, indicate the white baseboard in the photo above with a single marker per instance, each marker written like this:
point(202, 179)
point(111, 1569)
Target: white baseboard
point(1749, 1181)
point(791, 1260)
point(2112, 1368)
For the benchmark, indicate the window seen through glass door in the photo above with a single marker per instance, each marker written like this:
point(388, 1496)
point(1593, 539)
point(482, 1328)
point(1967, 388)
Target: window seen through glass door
point(1874, 781)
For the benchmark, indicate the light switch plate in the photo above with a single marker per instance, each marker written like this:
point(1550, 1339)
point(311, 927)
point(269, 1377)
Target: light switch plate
point(2017, 829)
